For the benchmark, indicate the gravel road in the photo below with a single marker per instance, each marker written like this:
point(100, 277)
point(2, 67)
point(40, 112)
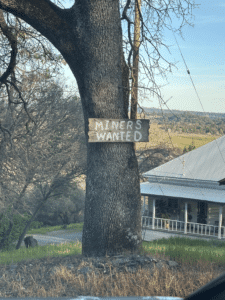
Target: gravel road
point(55, 237)
point(150, 235)
point(67, 236)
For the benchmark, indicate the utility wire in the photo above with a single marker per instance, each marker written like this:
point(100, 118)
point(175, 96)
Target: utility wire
point(189, 74)
point(196, 92)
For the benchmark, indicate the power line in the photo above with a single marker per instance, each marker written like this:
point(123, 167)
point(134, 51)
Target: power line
point(189, 74)
point(196, 91)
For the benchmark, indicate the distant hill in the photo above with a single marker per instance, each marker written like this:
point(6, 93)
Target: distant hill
point(178, 112)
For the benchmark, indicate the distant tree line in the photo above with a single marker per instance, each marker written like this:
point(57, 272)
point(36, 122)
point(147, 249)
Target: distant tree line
point(190, 123)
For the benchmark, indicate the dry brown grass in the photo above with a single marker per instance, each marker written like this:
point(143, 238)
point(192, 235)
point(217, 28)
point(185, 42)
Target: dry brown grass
point(34, 278)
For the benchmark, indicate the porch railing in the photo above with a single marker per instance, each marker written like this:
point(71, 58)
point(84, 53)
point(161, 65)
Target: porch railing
point(179, 226)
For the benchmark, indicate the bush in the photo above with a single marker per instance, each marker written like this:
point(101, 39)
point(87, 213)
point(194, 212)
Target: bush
point(11, 227)
point(36, 225)
point(190, 148)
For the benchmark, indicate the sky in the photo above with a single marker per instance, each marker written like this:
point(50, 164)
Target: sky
point(203, 49)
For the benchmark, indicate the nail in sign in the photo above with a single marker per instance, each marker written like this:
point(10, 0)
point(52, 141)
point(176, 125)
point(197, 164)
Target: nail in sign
point(118, 130)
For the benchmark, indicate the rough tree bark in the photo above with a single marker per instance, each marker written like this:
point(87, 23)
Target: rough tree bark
point(89, 37)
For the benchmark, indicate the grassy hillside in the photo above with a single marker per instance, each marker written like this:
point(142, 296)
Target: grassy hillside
point(158, 136)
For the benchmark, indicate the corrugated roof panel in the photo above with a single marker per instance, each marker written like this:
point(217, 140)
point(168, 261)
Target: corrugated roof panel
point(160, 189)
point(204, 163)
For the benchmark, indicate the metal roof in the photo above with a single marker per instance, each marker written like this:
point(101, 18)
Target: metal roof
point(185, 192)
point(204, 163)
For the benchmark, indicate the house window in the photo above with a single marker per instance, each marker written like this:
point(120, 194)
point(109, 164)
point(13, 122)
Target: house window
point(161, 207)
point(173, 205)
point(202, 212)
point(189, 208)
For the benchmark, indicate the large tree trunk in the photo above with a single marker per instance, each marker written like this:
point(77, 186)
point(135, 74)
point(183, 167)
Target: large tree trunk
point(89, 36)
point(112, 217)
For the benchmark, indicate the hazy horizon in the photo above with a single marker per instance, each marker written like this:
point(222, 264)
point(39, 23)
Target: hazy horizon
point(203, 49)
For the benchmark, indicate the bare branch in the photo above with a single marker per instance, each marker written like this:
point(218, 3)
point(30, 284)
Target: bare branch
point(13, 42)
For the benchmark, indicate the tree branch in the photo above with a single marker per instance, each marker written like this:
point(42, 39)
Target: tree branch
point(13, 42)
point(46, 17)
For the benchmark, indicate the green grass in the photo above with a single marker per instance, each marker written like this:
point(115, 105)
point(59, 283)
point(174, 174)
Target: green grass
point(72, 248)
point(179, 140)
point(187, 250)
point(176, 248)
point(40, 252)
point(76, 227)
point(185, 141)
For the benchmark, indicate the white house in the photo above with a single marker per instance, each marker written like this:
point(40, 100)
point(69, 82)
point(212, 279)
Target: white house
point(190, 191)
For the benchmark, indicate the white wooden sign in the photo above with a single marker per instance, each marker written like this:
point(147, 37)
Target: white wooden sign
point(118, 130)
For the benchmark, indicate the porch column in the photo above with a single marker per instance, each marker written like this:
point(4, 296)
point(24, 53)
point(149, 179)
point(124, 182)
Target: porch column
point(144, 205)
point(153, 215)
point(220, 222)
point(185, 218)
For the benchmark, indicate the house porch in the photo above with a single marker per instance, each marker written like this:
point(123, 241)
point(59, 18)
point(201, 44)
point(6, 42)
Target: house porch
point(213, 226)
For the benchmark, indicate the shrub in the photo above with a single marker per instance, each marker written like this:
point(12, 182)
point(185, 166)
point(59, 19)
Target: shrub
point(11, 227)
